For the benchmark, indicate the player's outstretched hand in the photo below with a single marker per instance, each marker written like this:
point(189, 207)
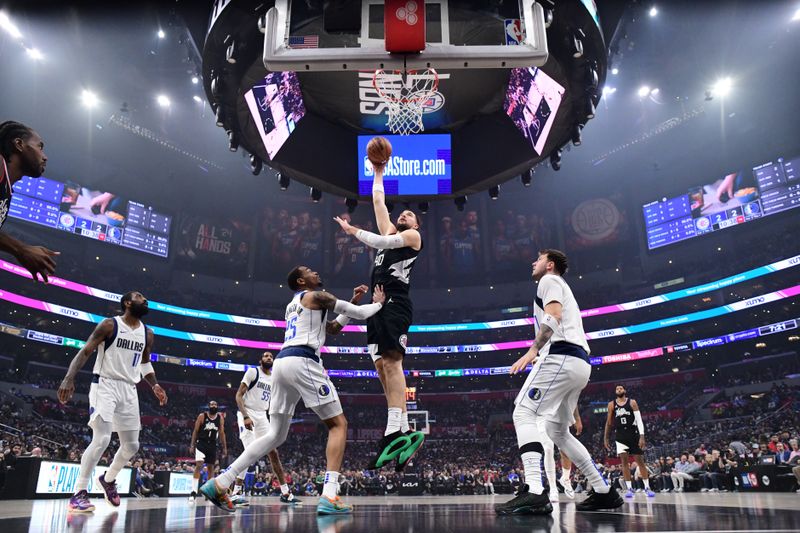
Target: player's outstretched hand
point(161, 394)
point(522, 363)
point(578, 426)
point(66, 390)
point(38, 260)
point(345, 225)
point(378, 297)
point(358, 292)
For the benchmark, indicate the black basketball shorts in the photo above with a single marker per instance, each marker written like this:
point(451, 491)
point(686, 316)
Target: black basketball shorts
point(388, 328)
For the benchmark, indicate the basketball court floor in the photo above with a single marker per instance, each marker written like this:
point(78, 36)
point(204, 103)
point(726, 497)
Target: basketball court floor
point(752, 512)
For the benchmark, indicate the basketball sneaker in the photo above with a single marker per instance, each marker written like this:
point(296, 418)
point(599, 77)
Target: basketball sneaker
point(110, 490)
point(333, 506)
point(289, 498)
point(217, 497)
point(79, 503)
point(597, 501)
point(239, 501)
point(192, 497)
point(629, 493)
point(525, 502)
point(417, 438)
point(569, 492)
point(650, 493)
point(389, 448)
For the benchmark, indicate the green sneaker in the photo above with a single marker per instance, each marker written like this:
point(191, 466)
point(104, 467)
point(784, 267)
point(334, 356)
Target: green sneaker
point(217, 497)
point(333, 506)
point(417, 438)
point(389, 448)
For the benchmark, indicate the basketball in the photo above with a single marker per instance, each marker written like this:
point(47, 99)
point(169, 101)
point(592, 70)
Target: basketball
point(379, 150)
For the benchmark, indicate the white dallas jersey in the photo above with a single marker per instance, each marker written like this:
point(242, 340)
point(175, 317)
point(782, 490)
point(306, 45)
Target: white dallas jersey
point(304, 327)
point(553, 288)
point(259, 389)
point(119, 356)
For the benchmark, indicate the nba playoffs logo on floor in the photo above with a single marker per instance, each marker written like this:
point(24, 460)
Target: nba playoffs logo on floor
point(324, 390)
point(535, 394)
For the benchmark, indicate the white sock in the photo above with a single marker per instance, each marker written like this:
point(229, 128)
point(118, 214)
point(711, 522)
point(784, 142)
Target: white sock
point(629, 484)
point(393, 423)
point(646, 483)
point(331, 487)
point(565, 472)
point(195, 484)
point(285, 489)
point(532, 463)
point(404, 422)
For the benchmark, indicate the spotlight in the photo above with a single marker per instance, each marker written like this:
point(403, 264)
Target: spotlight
point(351, 204)
point(34, 54)
point(233, 141)
point(255, 164)
point(89, 99)
point(9, 26)
point(230, 56)
point(220, 117)
point(655, 91)
point(316, 195)
point(161, 34)
point(197, 99)
point(527, 178)
point(195, 80)
point(555, 159)
point(589, 108)
point(644, 90)
point(615, 71)
point(494, 192)
point(576, 134)
point(423, 207)
point(653, 11)
point(283, 181)
point(460, 202)
point(548, 17)
point(609, 90)
point(722, 87)
point(577, 44)
point(163, 100)
point(796, 15)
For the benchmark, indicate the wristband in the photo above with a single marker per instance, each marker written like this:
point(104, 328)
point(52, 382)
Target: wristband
point(343, 320)
point(377, 187)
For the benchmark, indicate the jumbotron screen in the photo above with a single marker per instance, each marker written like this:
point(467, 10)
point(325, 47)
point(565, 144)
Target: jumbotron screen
point(98, 215)
point(420, 165)
point(729, 200)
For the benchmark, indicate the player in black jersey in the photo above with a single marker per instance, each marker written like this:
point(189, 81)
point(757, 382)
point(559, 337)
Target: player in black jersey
point(624, 413)
point(208, 426)
point(22, 154)
point(398, 246)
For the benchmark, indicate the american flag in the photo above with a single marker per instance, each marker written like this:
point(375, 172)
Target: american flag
point(304, 41)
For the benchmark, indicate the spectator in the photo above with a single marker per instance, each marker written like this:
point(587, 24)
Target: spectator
point(683, 472)
point(712, 472)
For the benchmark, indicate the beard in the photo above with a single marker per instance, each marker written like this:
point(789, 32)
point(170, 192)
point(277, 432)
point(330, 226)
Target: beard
point(266, 367)
point(402, 227)
point(138, 310)
point(213, 410)
point(620, 394)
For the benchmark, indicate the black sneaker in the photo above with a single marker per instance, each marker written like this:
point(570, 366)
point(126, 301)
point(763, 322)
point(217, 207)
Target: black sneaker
point(526, 503)
point(417, 438)
point(389, 449)
point(597, 501)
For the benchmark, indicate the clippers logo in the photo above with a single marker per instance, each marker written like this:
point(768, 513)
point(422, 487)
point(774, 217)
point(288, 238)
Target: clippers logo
point(408, 14)
point(765, 480)
point(324, 390)
point(403, 341)
point(535, 394)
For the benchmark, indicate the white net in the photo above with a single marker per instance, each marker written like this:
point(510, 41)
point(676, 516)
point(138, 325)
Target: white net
point(406, 94)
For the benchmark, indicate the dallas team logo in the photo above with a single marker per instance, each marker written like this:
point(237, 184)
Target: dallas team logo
point(535, 394)
point(324, 390)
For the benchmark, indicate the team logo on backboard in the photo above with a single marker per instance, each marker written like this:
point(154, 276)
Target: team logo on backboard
point(403, 341)
point(535, 394)
point(324, 390)
point(408, 13)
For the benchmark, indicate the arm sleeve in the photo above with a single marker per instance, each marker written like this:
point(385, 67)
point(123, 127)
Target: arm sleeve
point(360, 312)
point(550, 291)
point(637, 415)
point(249, 376)
point(381, 242)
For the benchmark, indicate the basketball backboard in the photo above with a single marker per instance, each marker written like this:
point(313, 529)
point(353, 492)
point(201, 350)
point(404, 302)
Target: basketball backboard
point(473, 34)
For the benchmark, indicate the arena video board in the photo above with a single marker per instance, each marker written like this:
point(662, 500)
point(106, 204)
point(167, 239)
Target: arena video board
point(420, 165)
point(532, 101)
point(98, 215)
point(276, 105)
point(730, 200)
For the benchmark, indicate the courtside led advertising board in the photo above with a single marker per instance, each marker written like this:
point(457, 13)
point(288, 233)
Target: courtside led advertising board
point(420, 165)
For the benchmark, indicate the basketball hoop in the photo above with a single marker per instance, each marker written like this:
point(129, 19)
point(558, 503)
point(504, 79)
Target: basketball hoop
point(406, 94)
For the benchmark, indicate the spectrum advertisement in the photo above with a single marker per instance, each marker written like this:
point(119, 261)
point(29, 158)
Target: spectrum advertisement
point(420, 165)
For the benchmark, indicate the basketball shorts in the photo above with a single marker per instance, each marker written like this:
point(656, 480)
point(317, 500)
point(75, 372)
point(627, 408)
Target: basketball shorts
point(388, 328)
point(628, 443)
point(297, 374)
point(114, 401)
point(260, 426)
point(552, 390)
point(206, 453)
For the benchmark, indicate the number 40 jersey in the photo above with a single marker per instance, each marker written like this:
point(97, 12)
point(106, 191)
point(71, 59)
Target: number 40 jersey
point(304, 327)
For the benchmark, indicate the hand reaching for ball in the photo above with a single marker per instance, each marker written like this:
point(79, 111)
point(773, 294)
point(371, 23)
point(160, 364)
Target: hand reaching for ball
point(379, 151)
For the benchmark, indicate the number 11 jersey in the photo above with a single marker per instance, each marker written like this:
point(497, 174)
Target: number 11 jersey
point(119, 356)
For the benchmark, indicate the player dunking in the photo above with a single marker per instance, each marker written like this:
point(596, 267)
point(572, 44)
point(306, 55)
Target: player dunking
point(123, 345)
point(208, 426)
point(552, 392)
point(398, 247)
point(252, 398)
point(624, 414)
point(298, 373)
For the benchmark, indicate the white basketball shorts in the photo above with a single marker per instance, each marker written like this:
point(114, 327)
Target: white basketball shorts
point(260, 426)
point(115, 401)
point(552, 390)
point(296, 377)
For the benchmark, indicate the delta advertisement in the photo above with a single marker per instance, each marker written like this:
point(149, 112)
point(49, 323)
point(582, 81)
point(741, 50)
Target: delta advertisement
point(60, 478)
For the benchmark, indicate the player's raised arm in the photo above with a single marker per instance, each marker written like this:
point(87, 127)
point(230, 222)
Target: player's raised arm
point(103, 331)
point(385, 225)
point(333, 327)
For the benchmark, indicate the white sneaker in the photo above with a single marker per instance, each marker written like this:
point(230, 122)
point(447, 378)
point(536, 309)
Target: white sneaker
point(704, 489)
point(192, 498)
point(554, 497)
point(569, 492)
point(714, 490)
